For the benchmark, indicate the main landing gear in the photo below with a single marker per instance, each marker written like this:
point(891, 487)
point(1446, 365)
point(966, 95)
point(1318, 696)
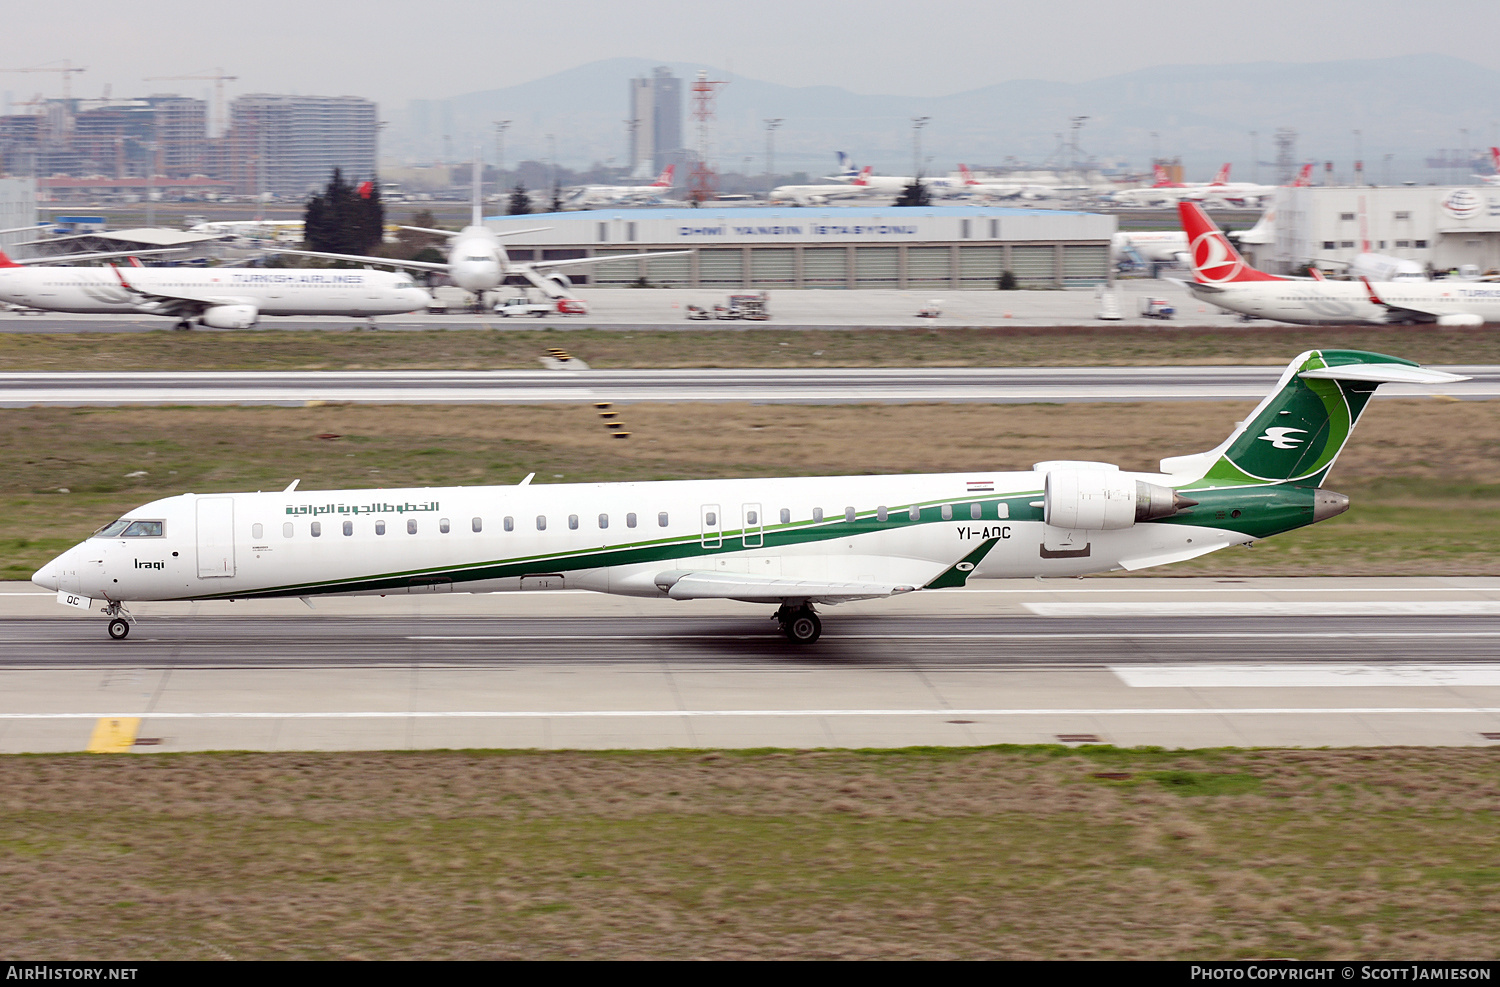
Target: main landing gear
point(800, 624)
point(182, 324)
point(119, 623)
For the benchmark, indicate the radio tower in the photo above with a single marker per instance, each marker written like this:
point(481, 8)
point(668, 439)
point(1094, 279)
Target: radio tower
point(702, 185)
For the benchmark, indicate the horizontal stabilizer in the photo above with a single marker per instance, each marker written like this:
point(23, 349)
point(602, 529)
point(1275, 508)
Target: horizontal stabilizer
point(1384, 373)
point(692, 585)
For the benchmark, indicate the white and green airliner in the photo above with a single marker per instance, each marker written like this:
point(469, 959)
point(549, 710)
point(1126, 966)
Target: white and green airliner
point(789, 542)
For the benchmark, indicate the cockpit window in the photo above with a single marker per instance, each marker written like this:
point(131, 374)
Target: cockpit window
point(126, 528)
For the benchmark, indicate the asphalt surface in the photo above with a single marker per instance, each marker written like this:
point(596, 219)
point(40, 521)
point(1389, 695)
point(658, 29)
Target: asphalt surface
point(1174, 662)
point(1002, 384)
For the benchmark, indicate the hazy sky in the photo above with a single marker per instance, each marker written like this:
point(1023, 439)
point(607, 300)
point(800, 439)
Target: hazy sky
point(392, 52)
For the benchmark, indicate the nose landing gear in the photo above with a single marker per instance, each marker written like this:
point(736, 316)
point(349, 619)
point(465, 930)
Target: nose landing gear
point(800, 624)
point(119, 624)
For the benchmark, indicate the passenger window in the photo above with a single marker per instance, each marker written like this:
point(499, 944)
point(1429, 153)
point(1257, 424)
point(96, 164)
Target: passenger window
point(380, 527)
point(443, 525)
point(710, 518)
point(541, 522)
point(630, 520)
point(817, 513)
point(257, 531)
point(880, 514)
point(786, 515)
point(947, 512)
point(849, 514)
point(510, 523)
point(286, 530)
point(603, 520)
point(976, 511)
point(477, 524)
point(661, 519)
point(348, 528)
point(914, 512)
point(317, 529)
point(752, 518)
point(572, 522)
point(411, 526)
point(143, 529)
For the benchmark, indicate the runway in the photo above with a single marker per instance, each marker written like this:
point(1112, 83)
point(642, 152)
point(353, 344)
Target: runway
point(988, 384)
point(1171, 662)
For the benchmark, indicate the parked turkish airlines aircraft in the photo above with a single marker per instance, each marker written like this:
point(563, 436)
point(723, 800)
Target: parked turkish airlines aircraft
point(1165, 192)
point(221, 298)
point(999, 188)
point(590, 195)
point(1486, 179)
point(817, 195)
point(477, 261)
point(1223, 278)
point(1249, 194)
point(790, 543)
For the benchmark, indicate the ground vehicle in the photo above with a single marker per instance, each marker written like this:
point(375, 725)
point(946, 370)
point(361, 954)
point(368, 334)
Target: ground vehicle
point(522, 305)
point(1157, 308)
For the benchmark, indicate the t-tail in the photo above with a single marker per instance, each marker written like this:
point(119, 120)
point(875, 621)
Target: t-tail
point(1296, 433)
point(1215, 260)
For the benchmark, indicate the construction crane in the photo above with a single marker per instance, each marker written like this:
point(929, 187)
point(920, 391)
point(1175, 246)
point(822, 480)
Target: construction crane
point(66, 69)
point(218, 77)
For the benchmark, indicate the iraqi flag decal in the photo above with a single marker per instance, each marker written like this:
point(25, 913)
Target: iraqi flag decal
point(981, 486)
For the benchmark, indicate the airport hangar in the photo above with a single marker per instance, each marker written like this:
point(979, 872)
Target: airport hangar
point(938, 247)
point(1441, 227)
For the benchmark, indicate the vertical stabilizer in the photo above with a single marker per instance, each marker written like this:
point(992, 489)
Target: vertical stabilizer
point(1214, 259)
point(476, 209)
point(1296, 433)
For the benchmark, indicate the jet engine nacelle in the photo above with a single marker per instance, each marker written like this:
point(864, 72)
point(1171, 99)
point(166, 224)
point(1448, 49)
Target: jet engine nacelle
point(230, 316)
point(1106, 499)
point(1460, 320)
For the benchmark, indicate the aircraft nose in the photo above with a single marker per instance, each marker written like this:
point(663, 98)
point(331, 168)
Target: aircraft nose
point(47, 576)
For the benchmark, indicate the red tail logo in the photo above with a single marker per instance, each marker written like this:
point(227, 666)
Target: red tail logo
point(966, 175)
point(1215, 261)
point(7, 262)
point(1222, 178)
point(1304, 178)
point(864, 175)
point(1162, 181)
point(1495, 158)
point(664, 180)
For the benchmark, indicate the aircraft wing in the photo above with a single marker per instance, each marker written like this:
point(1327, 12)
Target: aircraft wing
point(70, 258)
point(547, 265)
point(1414, 312)
point(416, 265)
point(697, 585)
point(167, 303)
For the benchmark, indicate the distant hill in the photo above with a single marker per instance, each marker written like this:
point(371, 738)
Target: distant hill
point(1405, 107)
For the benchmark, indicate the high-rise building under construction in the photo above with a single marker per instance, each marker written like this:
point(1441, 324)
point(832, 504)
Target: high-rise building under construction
point(655, 121)
point(289, 145)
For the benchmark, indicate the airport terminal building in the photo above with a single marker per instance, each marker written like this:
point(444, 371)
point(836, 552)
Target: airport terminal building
point(939, 247)
point(1439, 227)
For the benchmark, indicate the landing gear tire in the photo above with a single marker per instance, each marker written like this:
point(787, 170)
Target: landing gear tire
point(183, 324)
point(801, 626)
point(119, 628)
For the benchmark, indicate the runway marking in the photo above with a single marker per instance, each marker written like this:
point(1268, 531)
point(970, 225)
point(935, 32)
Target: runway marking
point(988, 636)
point(114, 735)
point(1306, 675)
point(660, 713)
point(1255, 608)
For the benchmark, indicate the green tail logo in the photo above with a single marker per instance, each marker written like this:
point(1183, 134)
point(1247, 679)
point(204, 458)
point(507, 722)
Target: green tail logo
point(1299, 429)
